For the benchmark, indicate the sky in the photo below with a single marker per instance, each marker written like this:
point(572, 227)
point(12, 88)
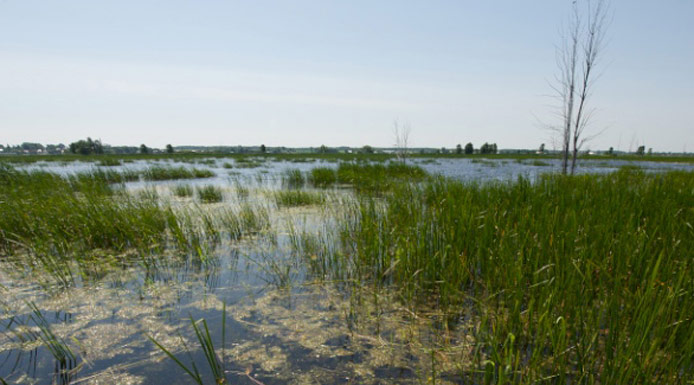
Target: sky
point(312, 72)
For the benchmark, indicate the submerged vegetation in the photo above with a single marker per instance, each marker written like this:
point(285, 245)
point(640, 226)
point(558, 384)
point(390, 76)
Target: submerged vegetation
point(402, 277)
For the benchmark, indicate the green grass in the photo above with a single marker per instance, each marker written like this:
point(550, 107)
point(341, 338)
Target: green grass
point(214, 362)
point(322, 177)
point(293, 178)
point(156, 173)
point(377, 177)
point(209, 194)
point(109, 162)
point(584, 279)
point(43, 211)
point(183, 191)
point(293, 198)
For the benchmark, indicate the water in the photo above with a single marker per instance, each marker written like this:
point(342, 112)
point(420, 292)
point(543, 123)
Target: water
point(283, 325)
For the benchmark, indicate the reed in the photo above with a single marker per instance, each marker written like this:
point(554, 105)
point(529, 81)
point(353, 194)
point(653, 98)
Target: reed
point(584, 279)
point(294, 198)
point(209, 194)
point(293, 178)
point(183, 191)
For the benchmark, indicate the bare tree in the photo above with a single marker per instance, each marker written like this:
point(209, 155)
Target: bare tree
point(577, 56)
point(402, 137)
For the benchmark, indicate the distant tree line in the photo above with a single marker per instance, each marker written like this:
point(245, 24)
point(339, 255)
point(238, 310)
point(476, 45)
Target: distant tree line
point(87, 147)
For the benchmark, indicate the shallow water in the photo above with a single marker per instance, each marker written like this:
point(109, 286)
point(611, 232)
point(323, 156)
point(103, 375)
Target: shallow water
point(283, 325)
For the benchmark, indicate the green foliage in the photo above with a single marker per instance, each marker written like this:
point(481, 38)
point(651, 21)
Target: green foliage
point(183, 191)
point(469, 149)
point(584, 279)
point(293, 178)
point(87, 147)
point(209, 194)
point(322, 177)
point(43, 211)
point(377, 177)
point(110, 162)
point(170, 173)
point(291, 198)
point(214, 362)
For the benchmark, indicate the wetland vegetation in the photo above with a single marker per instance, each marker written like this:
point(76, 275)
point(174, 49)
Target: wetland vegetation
point(369, 271)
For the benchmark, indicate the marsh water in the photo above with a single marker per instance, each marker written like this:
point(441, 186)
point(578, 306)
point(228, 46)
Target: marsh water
point(283, 324)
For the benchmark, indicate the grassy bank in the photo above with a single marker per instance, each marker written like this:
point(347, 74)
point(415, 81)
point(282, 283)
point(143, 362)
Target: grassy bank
point(569, 280)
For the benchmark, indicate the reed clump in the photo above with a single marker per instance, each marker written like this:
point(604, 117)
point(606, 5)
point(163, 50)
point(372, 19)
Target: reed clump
point(183, 190)
point(43, 211)
point(293, 178)
point(583, 279)
point(367, 177)
point(210, 194)
point(156, 173)
point(294, 198)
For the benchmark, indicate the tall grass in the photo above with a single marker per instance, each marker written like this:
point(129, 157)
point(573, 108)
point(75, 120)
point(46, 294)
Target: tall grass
point(209, 194)
point(584, 279)
point(183, 191)
point(293, 198)
point(42, 211)
point(155, 173)
point(366, 177)
point(293, 178)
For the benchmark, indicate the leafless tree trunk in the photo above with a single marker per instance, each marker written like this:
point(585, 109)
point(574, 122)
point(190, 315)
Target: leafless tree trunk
point(581, 47)
point(402, 137)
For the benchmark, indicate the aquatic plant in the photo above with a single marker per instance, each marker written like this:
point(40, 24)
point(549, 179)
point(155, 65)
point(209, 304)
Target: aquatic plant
point(215, 363)
point(293, 178)
point(156, 173)
point(209, 194)
point(292, 198)
point(183, 190)
point(109, 162)
point(322, 177)
point(580, 279)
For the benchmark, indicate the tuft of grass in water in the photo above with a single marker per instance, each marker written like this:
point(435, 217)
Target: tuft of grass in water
point(110, 162)
point(227, 165)
point(322, 177)
point(583, 279)
point(366, 177)
point(214, 362)
point(293, 198)
point(156, 173)
point(209, 194)
point(293, 178)
point(375, 178)
point(183, 191)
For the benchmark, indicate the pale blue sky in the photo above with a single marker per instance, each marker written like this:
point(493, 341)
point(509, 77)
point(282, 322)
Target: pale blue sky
point(306, 73)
